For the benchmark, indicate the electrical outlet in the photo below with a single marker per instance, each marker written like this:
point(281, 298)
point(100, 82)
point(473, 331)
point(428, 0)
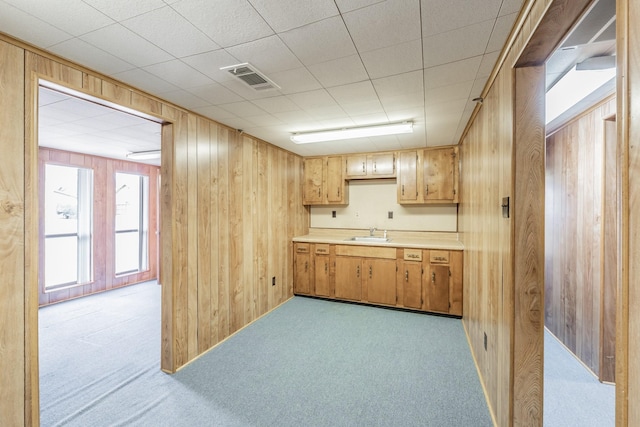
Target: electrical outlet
point(390, 214)
point(273, 283)
point(333, 214)
point(485, 341)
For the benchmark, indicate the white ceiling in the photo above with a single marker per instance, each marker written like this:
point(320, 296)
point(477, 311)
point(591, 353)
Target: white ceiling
point(338, 63)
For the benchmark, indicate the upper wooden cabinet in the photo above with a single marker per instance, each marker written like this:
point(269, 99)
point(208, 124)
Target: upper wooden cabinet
point(428, 176)
point(323, 181)
point(368, 166)
point(441, 174)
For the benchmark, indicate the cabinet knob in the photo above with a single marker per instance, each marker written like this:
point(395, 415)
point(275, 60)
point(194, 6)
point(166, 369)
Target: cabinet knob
point(364, 169)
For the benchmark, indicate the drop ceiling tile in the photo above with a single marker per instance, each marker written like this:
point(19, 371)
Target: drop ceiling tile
point(220, 20)
point(500, 32)
point(264, 120)
point(184, 99)
point(331, 113)
point(510, 6)
point(440, 111)
point(276, 104)
point(119, 10)
point(184, 39)
point(215, 94)
point(487, 64)
point(214, 112)
point(243, 109)
point(361, 91)
point(349, 5)
point(398, 59)
point(384, 24)
point(339, 71)
point(245, 91)
point(415, 115)
point(314, 99)
point(370, 119)
point(209, 64)
point(451, 73)
point(237, 123)
point(144, 80)
point(298, 120)
point(126, 45)
point(401, 91)
point(296, 80)
point(320, 41)
point(89, 56)
point(363, 108)
point(268, 54)
point(179, 74)
point(26, 27)
point(284, 15)
point(439, 16)
point(478, 87)
point(73, 17)
point(455, 91)
point(457, 44)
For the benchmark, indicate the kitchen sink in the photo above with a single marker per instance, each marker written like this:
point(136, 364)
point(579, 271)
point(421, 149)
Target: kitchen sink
point(369, 239)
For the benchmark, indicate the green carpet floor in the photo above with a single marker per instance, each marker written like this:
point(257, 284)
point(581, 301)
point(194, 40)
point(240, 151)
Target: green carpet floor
point(308, 363)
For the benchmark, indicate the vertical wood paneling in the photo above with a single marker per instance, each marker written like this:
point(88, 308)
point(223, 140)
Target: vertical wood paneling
point(215, 235)
point(225, 139)
point(193, 284)
point(14, 341)
point(204, 241)
point(528, 253)
point(574, 260)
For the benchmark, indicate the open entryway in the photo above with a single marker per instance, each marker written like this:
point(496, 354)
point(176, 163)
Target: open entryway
point(98, 293)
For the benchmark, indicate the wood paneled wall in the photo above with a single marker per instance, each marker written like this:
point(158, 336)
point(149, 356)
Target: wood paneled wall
point(14, 338)
point(628, 108)
point(103, 220)
point(502, 155)
point(230, 205)
point(574, 259)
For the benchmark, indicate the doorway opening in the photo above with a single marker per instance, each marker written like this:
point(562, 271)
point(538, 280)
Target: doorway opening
point(581, 223)
point(98, 231)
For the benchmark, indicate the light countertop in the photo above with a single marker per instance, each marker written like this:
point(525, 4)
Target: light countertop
point(399, 239)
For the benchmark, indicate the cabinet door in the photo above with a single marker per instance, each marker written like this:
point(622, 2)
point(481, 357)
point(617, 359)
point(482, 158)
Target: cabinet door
point(349, 278)
point(322, 276)
point(455, 297)
point(439, 174)
point(302, 273)
point(407, 176)
point(437, 288)
point(356, 166)
point(312, 190)
point(411, 277)
point(383, 165)
point(335, 182)
point(379, 278)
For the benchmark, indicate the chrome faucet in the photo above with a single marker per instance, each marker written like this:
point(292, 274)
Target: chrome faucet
point(371, 230)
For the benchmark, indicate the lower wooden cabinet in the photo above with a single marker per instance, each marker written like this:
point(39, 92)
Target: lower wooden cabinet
point(301, 269)
point(417, 279)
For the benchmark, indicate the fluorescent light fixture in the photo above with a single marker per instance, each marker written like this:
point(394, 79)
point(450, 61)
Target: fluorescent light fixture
point(144, 155)
point(351, 133)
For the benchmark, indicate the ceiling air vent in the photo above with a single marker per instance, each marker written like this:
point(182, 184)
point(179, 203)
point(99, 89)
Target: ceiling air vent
point(251, 76)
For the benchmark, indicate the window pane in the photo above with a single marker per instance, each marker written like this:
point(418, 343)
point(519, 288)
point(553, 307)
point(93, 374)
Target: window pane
point(127, 252)
point(68, 222)
point(127, 201)
point(61, 200)
point(61, 260)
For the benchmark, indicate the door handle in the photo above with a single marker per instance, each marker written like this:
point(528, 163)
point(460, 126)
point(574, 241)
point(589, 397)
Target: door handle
point(370, 272)
point(433, 277)
point(406, 275)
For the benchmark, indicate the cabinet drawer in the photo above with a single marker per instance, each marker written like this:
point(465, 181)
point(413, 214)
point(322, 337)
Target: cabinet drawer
point(366, 251)
point(413, 254)
point(439, 257)
point(302, 248)
point(322, 249)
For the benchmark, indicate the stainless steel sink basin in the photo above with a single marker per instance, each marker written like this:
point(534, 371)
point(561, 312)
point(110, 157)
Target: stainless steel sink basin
point(369, 239)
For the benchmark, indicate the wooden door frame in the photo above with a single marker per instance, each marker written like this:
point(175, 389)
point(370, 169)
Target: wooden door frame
point(33, 81)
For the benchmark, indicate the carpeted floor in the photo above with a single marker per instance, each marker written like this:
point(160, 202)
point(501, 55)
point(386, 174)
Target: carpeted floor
point(573, 397)
point(310, 362)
